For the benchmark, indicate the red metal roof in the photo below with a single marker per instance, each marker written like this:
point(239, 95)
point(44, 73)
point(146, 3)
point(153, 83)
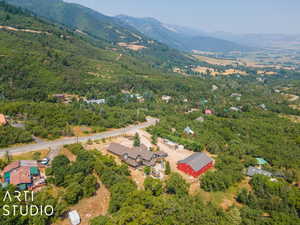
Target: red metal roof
point(11, 166)
point(208, 112)
point(2, 119)
point(20, 176)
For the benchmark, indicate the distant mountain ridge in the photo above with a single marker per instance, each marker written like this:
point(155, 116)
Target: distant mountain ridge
point(111, 30)
point(181, 38)
point(261, 40)
point(83, 18)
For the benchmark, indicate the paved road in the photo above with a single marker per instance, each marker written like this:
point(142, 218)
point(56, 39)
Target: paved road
point(72, 140)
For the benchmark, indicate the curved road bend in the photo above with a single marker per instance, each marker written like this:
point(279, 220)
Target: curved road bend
point(72, 140)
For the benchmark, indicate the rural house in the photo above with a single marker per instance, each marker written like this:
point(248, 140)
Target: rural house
point(173, 145)
point(188, 131)
point(236, 95)
point(208, 112)
point(166, 98)
point(234, 109)
point(2, 120)
point(136, 156)
point(254, 171)
point(196, 164)
point(95, 101)
point(214, 87)
point(261, 161)
point(200, 119)
point(23, 173)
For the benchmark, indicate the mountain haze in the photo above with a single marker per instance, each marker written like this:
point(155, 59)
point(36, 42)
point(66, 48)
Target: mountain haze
point(83, 18)
point(110, 30)
point(181, 38)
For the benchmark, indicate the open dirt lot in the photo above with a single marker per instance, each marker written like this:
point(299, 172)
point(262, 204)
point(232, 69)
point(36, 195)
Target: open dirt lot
point(174, 156)
point(291, 97)
point(89, 208)
point(295, 119)
point(213, 72)
point(220, 62)
point(297, 107)
point(68, 154)
point(133, 47)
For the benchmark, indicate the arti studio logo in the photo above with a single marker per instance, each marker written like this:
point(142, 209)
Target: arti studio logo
point(24, 208)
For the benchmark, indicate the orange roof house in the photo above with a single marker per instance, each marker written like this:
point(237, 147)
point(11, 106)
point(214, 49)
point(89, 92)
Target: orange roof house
point(21, 173)
point(11, 166)
point(2, 120)
point(20, 176)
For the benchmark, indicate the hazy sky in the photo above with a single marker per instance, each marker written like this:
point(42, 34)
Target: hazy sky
point(237, 16)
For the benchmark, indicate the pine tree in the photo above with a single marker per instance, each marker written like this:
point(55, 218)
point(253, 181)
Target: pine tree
point(168, 168)
point(137, 141)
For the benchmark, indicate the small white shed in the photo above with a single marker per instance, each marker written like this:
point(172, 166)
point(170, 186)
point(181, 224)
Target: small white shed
point(74, 217)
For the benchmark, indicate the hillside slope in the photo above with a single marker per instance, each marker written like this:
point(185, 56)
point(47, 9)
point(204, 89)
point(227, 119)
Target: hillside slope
point(179, 37)
point(84, 19)
point(108, 29)
point(38, 58)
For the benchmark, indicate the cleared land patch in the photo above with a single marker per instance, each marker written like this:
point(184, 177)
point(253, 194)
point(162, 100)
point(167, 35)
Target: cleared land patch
point(131, 46)
point(214, 72)
point(89, 208)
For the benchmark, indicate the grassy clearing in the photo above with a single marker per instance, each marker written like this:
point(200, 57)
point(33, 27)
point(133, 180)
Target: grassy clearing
point(66, 152)
point(227, 198)
point(28, 155)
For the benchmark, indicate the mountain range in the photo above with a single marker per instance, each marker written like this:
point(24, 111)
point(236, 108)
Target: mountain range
point(181, 38)
point(153, 37)
point(126, 29)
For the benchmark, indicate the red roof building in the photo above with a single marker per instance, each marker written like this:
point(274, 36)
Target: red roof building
point(10, 167)
point(20, 176)
point(196, 164)
point(208, 112)
point(2, 120)
point(21, 172)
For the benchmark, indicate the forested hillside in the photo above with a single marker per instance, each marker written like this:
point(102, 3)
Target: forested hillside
point(180, 38)
point(108, 29)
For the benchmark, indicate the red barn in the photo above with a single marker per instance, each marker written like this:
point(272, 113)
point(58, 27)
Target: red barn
point(195, 164)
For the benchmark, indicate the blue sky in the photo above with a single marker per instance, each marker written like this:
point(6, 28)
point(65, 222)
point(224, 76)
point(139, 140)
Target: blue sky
point(237, 16)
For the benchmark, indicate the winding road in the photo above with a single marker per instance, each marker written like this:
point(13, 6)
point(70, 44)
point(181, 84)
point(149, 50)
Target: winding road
point(71, 140)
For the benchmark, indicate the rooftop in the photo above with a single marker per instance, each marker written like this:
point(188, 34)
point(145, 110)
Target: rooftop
point(261, 161)
point(11, 167)
point(29, 163)
point(132, 152)
point(20, 176)
point(2, 119)
point(131, 155)
point(197, 160)
point(254, 171)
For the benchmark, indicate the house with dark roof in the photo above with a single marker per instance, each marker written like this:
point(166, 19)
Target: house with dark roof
point(196, 164)
point(136, 156)
point(254, 171)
